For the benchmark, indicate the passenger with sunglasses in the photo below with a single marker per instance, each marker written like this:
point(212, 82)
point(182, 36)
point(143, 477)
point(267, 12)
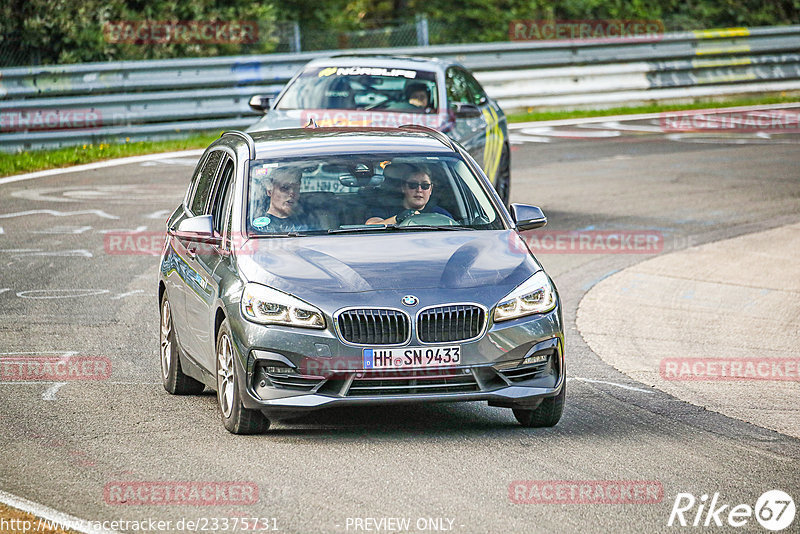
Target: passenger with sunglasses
point(417, 188)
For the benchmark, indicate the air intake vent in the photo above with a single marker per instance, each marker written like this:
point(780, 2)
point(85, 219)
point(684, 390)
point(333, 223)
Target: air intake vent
point(450, 323)
point(374, 327)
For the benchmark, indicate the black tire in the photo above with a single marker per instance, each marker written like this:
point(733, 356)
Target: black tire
point(235, 417)
point(503, 180)
point(547, 414)
point(172, 375)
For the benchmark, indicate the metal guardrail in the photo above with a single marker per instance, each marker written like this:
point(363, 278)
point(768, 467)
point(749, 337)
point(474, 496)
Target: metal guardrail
point(165, 98)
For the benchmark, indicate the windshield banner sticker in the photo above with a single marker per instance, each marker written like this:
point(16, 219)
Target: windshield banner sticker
point(367, 71)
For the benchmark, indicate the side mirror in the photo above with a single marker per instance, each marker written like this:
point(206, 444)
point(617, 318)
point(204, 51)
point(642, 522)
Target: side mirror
point(260, 103)
point(463, 110)
point(200, 229)
point(527, 217)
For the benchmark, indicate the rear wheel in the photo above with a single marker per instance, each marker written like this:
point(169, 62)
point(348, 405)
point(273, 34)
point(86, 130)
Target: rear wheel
point(503, 180)
point(548, 413)
point(172, 376)
point(235, 417)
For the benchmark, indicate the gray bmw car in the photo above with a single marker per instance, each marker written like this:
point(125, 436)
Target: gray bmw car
point(326, 267)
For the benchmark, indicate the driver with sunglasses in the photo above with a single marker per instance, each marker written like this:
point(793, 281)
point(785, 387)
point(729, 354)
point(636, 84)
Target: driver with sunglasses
point(417, 188)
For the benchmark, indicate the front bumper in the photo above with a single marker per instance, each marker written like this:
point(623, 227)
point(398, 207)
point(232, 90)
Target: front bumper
point(283, 392)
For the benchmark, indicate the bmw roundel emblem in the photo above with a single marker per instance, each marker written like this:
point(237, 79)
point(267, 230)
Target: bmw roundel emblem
point(410, 300)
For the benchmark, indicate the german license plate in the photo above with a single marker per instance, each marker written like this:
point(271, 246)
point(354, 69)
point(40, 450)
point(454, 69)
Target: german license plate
point(411, 357)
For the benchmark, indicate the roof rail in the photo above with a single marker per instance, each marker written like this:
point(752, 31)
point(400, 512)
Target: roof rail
point(251, 145)
point(439, 136)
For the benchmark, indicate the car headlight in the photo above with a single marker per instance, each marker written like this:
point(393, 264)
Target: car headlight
point(262, 304)
point(535, 295)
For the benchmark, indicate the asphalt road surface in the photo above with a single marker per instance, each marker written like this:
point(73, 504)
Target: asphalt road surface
point(73, 445)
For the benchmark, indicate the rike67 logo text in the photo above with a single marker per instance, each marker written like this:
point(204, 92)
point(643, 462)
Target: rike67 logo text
point(774, 510)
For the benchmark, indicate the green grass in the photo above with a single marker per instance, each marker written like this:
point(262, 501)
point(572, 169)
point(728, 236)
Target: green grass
point(652, 108)
point(65, 157)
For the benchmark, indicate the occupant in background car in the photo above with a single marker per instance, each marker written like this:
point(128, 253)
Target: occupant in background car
point(283, 189)
point(416, 188)
point(417, 95)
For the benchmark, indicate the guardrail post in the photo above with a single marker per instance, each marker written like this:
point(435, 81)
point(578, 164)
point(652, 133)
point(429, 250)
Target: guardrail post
point(422, 30)
point(296, 37)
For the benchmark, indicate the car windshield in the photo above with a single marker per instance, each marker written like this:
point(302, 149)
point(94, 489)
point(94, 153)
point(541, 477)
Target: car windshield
point(362, 88)
point(366, 193)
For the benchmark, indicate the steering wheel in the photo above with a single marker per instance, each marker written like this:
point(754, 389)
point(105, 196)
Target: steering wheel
point(427, 219)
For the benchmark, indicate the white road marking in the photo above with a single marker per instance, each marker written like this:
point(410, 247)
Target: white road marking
point(615, 384)
point(4, 289)
point(75, 253)
point(53, 516)
point(55, 213)
point(170, 161)
point(60, 293)
point(585, 133)
point(100, 165)
point(128, 294)
point(123, 230)
point(50, 393)
point(520, 138)
point(644, 116)
point(160, 214)
point(616, 125)
point(1, 230)
point(63, 230)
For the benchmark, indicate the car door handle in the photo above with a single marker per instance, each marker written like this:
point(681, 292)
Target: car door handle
point(191, 250)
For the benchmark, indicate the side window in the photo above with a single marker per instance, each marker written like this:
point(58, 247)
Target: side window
point(476, 93)
point(223, 196)
point(204, 182)
point(457, 86)
point(195, 177)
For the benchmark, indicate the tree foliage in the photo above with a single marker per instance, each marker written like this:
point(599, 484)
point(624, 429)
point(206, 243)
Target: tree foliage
point(70, 31)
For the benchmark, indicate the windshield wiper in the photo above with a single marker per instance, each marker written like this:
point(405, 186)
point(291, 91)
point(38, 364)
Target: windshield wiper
point(393, 228)
point(426, 227)
point(279, 234)
point(359, 228)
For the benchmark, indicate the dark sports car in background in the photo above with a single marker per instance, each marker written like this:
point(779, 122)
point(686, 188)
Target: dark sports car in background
point(392, 91)
point(312, 268)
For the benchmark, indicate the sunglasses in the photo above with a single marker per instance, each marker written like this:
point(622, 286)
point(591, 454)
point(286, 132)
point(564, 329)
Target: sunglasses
point(421, 185)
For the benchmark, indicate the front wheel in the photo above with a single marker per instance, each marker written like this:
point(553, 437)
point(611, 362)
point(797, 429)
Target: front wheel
point(548, 413)
point(173, 378)
point(235, 417)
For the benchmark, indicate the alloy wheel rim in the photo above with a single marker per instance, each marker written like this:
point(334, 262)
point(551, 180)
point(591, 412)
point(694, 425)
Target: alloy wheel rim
point(166, 343)
point(225, 375)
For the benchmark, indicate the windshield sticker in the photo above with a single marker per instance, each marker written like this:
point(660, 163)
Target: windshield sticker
point(262, 222)
point(367, 71)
